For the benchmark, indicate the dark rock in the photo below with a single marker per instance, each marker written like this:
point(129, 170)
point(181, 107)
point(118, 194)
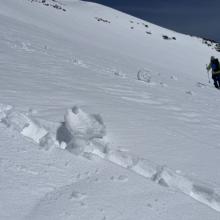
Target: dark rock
point(165, 37)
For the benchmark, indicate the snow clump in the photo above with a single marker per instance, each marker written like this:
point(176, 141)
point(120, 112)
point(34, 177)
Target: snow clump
point(83, 132)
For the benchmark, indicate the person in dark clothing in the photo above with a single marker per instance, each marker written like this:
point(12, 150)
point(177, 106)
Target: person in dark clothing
point(215, 66)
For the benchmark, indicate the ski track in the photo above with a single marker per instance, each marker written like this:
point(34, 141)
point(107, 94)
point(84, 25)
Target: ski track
point(79, 124)
point(26, 46)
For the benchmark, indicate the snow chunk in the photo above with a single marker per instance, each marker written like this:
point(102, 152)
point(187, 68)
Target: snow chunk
point(25, 125)
point(81, 131)
point(16, 120)
point(121, 158)
point(81, 124)
point(4, 109)
point(34, 131)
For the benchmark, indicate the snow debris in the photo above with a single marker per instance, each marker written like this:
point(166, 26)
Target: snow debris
point(80, 130)
point(119, 74)
point(85, 134)
point(165, 177)
point(4, 109)
point(24, 124)
point(174, 78)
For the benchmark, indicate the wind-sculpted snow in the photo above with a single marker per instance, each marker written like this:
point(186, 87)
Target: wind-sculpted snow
point(85, 134)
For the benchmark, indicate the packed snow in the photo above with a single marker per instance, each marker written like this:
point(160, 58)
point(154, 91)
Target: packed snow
point(104, 116)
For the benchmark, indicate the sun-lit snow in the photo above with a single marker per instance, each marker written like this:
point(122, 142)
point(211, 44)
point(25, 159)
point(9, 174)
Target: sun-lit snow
point(103, 117)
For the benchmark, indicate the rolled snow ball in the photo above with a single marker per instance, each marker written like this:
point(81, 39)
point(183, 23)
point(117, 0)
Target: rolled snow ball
point(144, 75)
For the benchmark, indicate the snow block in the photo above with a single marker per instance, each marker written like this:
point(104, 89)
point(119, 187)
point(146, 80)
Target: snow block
point(23, 124)
point(81, 124)
point(83, 131)
point(34, 131)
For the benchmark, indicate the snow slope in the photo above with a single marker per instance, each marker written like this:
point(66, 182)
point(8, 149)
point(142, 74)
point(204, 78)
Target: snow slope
point(151, 149)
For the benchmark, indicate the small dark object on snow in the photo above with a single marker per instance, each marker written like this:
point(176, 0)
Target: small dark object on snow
point(103, 20)
point(165, 37)
point(217, 47)
point(145, 25)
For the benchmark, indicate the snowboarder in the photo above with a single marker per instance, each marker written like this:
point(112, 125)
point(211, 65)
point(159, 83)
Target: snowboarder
point(215, 66)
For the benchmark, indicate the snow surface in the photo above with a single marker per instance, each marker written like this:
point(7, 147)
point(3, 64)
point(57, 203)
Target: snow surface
point(102, 120)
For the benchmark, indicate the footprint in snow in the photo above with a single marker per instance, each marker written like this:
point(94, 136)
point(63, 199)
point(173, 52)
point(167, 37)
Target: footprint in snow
point(189, 93)
point(149, 205)
point(119, 74)
point(27, 47)
point(77, 196)
point(174, 78)
point(162, 84)
point(79, 62)
point(120, 178)
point(78, 176)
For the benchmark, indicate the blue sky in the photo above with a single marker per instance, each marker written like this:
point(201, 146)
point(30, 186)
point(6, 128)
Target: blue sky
point(196, 17)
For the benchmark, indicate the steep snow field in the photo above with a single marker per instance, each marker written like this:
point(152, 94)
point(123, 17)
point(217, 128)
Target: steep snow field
point(102, 118)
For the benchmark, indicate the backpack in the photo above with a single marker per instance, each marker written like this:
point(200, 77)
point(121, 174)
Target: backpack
point(215, 65)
